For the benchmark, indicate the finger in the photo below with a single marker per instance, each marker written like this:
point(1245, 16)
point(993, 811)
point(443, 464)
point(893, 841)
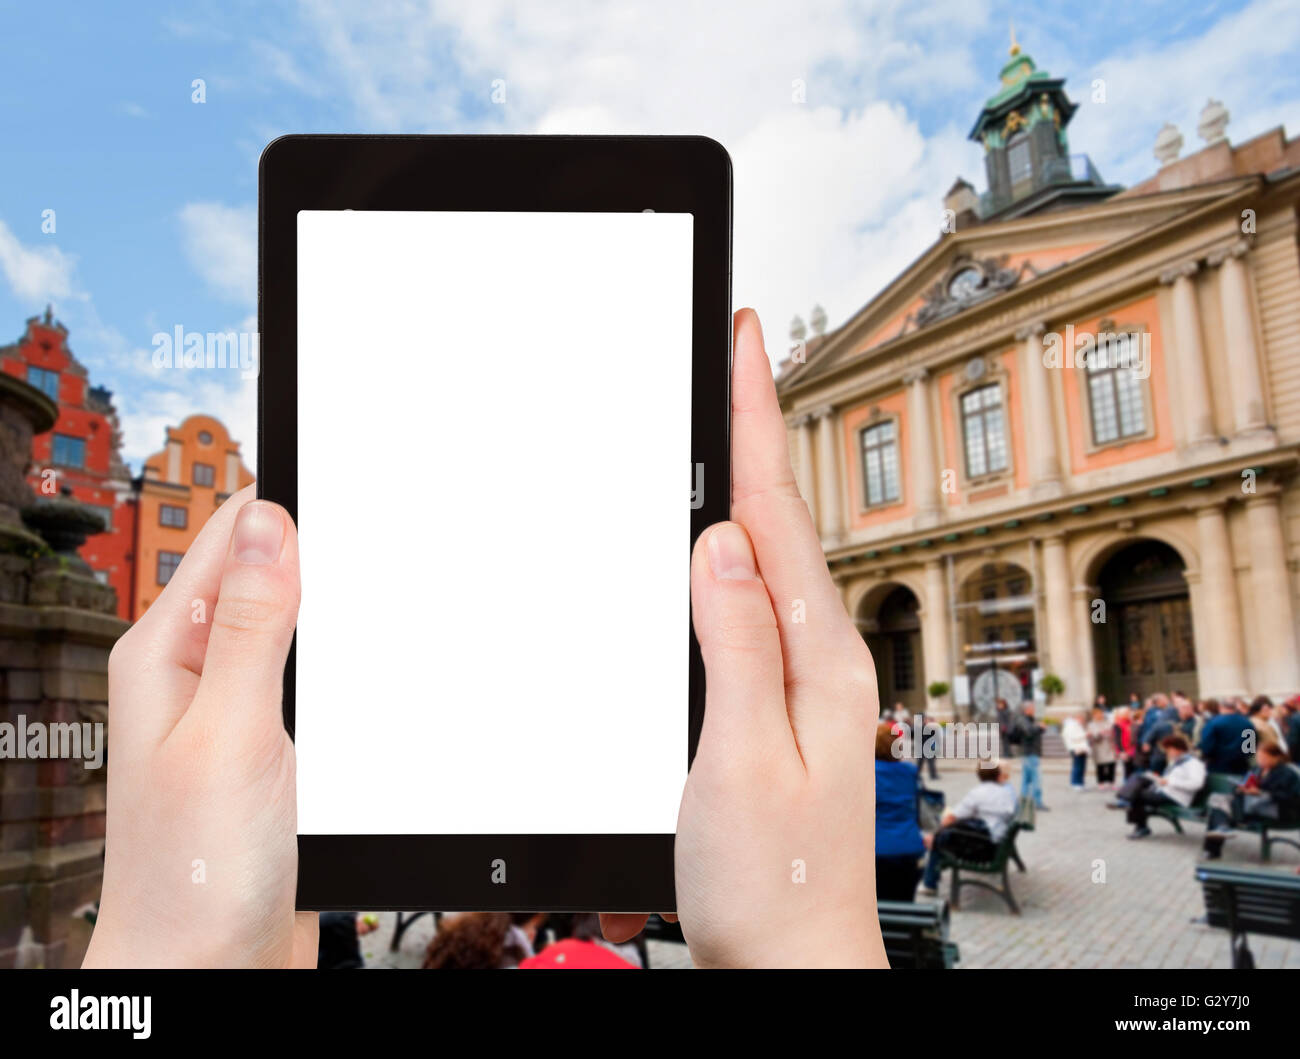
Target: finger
point(254, 617)
point(766, 501)
point(306, 940)
point(740, 645)
point(619, 927)
point(159, 659)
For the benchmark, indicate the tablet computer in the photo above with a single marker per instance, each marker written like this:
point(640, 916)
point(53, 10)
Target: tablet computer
point(488, 364)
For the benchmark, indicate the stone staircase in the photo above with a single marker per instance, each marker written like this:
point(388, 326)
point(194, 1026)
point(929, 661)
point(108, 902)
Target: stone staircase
point(1053, 744)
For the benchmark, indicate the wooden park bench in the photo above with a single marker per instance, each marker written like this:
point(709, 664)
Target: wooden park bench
point(916, 935)
point(1254, 901)
point(1268, 837)
point(996, 864)
point(1198, 811)
point(1215, 783)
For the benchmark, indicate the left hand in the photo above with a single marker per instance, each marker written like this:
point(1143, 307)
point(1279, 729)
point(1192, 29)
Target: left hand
point(202, 857)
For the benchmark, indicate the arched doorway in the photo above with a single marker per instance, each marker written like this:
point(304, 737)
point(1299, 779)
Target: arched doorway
point(1145, 643)
point(999, 636)
point(890, 622)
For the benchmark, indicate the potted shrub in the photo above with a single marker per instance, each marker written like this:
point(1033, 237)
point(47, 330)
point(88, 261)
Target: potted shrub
point(1051, 685)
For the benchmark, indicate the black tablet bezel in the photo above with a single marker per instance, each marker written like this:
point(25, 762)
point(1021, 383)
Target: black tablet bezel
point(669, 174)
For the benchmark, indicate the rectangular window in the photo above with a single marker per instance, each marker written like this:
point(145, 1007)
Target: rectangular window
point(984, 430)
point(171, 515)
point(1115, 391)
point(167, 564)
point(45, 381)
point(204, 474)
point(1019, 160)
point(880, 464)
point(69, 451)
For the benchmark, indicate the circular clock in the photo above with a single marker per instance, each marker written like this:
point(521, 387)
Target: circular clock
point(964, 283)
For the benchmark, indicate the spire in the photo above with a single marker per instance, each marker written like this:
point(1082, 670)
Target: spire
point(1015, 48)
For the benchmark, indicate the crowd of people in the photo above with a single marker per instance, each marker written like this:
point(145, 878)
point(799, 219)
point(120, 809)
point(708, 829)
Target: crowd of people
point(1167, 748)
point(1171, 746)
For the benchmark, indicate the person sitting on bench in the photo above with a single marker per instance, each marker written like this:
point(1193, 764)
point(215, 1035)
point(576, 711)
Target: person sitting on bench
point(1270, 796)
point(1183, 777)
point(975, 826)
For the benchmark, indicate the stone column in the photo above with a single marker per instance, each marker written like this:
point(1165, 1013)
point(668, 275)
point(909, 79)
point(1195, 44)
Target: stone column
point(921, 462)
point(1277, 673)
point(1040, 420)
point(1190, 354)
point(1219, 665)
point(828, 476)
point(1084, 629)
point(1239, 329)
point(935, 634)
point(803, 462)
point(1058, 603)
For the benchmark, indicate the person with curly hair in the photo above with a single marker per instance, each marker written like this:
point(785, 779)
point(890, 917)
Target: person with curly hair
point(480, 941)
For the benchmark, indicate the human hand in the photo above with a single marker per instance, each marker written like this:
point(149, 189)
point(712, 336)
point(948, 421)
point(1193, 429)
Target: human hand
point(784, 775)
point(202, 857)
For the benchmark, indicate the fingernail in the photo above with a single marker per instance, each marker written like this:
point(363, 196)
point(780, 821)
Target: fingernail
point(731, 556)
point(259, 534)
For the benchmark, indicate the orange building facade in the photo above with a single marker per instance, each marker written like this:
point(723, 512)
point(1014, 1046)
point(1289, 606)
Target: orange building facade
point(180, 488)
point(997, 508)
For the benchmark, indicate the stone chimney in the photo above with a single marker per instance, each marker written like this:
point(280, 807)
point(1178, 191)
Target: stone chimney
point(962, 205)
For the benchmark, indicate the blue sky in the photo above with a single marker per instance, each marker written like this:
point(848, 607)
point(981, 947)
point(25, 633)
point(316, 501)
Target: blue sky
point(155, 195)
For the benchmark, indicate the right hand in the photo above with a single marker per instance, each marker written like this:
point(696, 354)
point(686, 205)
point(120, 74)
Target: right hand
point(775, 854)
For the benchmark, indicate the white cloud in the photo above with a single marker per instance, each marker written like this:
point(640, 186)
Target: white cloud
point(36, 273)
point(220, 241)
point(149, 411)
point(833, 197)
point(1236, 59)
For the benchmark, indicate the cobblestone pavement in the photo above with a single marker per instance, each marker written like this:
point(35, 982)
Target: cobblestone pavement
point(1141, 916)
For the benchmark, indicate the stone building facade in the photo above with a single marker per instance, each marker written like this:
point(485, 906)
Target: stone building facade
point(1065, 440)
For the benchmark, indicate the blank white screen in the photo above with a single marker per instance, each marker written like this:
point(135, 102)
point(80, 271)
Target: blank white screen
point(494, 418)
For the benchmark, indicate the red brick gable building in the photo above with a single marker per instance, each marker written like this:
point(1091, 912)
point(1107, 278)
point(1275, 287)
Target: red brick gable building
point(83, 451)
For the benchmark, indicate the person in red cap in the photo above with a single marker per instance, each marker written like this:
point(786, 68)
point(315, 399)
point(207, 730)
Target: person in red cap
point(584, 950)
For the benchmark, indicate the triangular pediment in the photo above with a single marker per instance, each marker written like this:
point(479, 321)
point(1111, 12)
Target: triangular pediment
point(965, 271)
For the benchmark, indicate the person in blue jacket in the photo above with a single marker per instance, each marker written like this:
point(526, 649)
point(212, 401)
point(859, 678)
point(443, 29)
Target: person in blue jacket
point(899, 846)
point(1227, 743)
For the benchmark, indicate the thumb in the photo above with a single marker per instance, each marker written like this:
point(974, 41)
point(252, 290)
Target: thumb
point(739, 642)
point(254, 617)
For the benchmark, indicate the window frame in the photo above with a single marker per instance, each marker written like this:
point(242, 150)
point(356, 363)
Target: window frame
point(1019, 139)
point(57, 375)
point(864, 497)
point(158, 571)
point(1092, 444)
point(982, 414)
point(54, 445)
point(194, 474)
point(185, 516)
